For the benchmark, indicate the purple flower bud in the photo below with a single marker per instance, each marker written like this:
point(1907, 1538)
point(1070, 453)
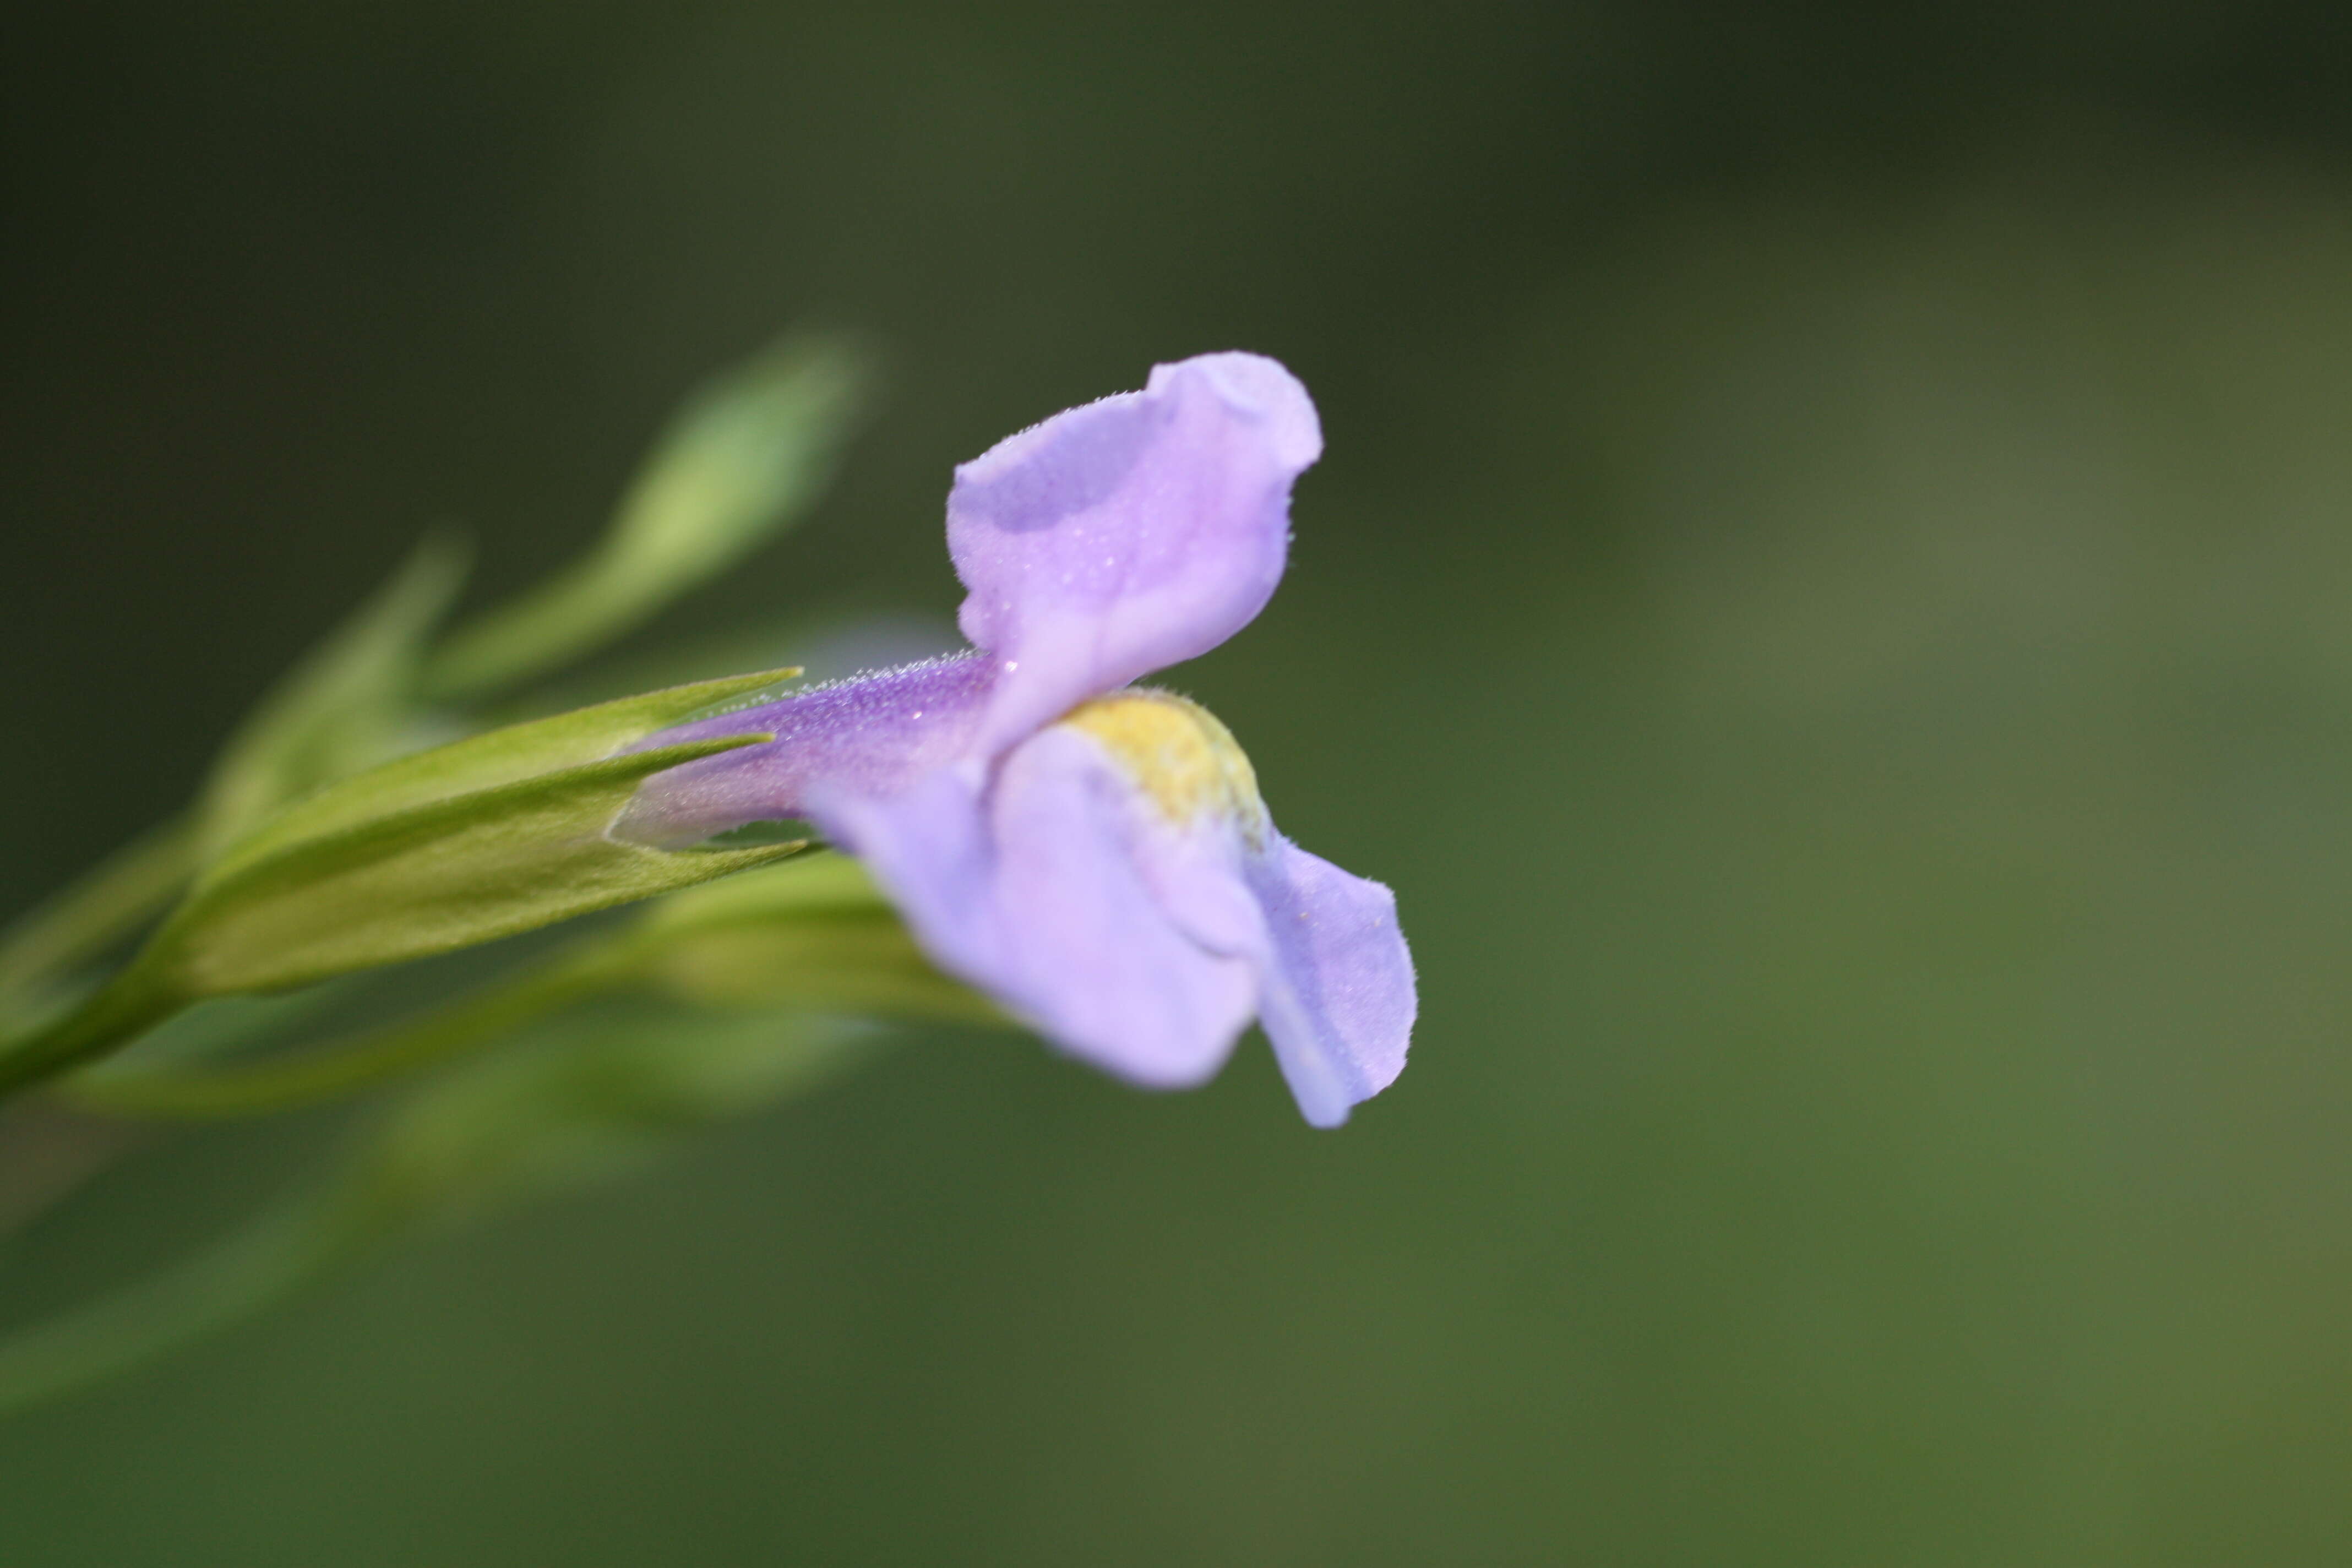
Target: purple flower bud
point(1097, 858)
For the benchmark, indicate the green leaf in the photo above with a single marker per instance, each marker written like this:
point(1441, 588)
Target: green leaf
point(284, 1251)
point(576, 1105)
point(345, 707)
point(146, 1081)
point(744, 457)
point(566, 1108)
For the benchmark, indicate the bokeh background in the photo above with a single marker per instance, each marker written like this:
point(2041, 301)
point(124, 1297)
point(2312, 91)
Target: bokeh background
point(1829, 598)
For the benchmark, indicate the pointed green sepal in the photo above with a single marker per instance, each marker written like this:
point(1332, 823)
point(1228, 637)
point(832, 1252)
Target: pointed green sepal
point(434, 878)
point(481, 763)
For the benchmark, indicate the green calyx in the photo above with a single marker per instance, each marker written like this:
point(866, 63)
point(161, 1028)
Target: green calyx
point(812, 936)
point(500, 833)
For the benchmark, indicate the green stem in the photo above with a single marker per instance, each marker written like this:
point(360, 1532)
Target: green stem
point(306, 1078)
point(134, 1002)
point(135, 883)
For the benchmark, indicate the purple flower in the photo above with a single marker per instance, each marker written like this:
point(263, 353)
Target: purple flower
point(1093, 854)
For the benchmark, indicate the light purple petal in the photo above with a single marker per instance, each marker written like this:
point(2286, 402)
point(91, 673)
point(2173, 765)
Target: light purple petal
point(873, 733)
point(1130, 534)
point(1036, 891)
point(1138, 924)
point(1338, 1004)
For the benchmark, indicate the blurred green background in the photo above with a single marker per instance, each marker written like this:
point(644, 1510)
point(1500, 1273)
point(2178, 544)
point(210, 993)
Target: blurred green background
point(1829, 598)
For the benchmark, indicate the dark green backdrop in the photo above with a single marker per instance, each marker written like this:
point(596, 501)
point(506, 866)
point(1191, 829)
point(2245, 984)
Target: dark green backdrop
point(1829, 597)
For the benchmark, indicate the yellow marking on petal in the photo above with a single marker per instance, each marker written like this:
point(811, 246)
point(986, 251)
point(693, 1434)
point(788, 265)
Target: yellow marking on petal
point(1181, 756)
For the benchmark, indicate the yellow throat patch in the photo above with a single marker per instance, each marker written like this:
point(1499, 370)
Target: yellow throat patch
point(1183, 757)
